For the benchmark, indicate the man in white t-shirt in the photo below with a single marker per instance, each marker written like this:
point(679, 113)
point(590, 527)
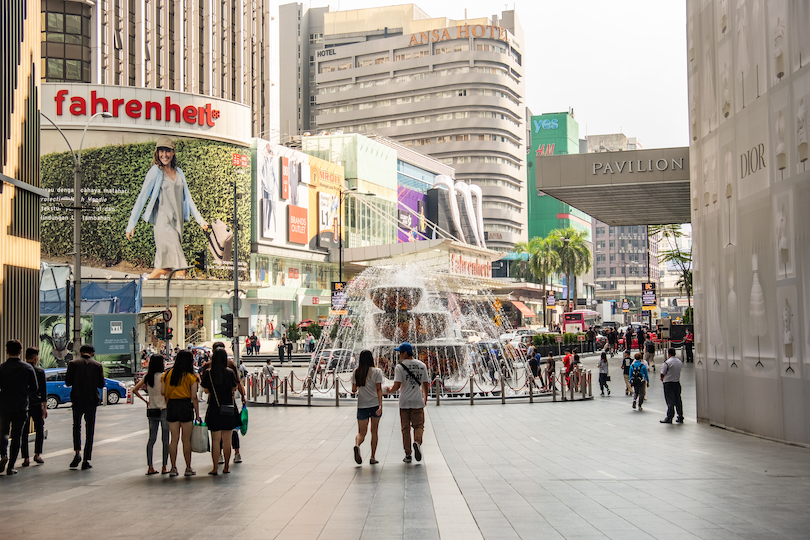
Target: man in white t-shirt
point(411, 379)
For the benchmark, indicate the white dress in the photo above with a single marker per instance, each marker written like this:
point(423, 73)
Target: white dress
point(781, 158)
point(757, 320)
point(779, 48)
point(708, 84)
point(801, 131)
point(168, 227)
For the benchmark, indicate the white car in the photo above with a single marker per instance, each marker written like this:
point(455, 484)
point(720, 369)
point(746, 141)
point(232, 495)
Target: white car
point(506, 338)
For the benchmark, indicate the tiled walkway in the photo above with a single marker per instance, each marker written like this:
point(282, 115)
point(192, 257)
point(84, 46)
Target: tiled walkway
point(594, 469)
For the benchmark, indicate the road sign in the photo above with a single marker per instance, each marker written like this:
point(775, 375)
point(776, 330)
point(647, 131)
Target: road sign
point(167, 315)
point(497, 305)
point(580, 338)
point(558, 339)
point(238, 303)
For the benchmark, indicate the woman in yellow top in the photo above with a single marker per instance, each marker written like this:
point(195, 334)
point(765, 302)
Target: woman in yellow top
point(182, 407)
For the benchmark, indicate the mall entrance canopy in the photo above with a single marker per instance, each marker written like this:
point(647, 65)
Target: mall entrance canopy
point(637, 187)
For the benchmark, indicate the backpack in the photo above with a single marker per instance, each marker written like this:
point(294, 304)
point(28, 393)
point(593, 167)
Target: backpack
point(636, 376)
point(650, 347)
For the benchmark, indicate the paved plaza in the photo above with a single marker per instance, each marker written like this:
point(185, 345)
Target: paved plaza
point(576, 470)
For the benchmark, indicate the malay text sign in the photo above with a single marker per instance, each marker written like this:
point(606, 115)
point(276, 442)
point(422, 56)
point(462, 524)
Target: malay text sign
point(648, 298)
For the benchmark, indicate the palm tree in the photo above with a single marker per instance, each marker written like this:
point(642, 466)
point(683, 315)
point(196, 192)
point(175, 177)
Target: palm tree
point(574, 256)
point(543, 262)
point(682, 259)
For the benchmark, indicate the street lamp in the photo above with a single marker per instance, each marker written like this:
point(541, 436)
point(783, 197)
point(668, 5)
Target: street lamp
point(77, 224)
point(343, 194)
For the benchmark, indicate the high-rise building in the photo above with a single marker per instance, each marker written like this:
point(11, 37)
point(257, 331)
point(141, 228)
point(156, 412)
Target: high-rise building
point(620, 253)
point(219, 49)
point(452, 88)
point(19, 178)
point(552, 134)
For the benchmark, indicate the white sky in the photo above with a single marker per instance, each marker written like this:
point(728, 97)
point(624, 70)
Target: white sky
point(620, 65)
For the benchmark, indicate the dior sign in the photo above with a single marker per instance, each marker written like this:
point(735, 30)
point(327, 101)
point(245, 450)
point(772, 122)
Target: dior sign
point(752, 161)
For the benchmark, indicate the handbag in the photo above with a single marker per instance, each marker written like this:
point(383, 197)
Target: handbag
point(244, 427)
point(200, 442)
point(608, 378)
point(224, 410)
point(153, 413)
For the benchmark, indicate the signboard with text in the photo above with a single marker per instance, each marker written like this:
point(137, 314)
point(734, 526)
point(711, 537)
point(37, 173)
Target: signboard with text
point(648, 297)
point(339, 300)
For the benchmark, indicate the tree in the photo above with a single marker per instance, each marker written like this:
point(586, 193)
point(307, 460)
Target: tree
point(682, 259)
point(543, 262)
point(574, 256)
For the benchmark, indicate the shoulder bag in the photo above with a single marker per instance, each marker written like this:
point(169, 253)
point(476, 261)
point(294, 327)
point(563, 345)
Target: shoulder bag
point(224, 410)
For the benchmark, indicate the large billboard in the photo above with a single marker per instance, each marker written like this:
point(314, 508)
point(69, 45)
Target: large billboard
point(146, 210)
point(297, 198)
point(411, 215)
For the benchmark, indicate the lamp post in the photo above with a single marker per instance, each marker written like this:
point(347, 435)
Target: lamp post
point(343, 194)
point(77, 224)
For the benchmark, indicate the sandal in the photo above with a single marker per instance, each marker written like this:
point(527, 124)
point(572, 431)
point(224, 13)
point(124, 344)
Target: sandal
point(149, 473)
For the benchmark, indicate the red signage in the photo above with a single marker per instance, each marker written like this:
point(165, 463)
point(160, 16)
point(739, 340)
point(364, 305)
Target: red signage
point(316, 300)
point(285, 178)
point(293, 273)
point(135, 108)
point(239, 160)
point(298, 225)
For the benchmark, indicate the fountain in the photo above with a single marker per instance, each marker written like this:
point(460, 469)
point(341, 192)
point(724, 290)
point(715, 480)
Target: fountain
point(389, 305)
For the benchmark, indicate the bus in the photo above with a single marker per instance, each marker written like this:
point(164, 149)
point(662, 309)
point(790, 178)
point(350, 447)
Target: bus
point(580, 320)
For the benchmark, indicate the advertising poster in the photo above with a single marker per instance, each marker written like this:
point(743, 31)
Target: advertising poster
point(112, 334)
point(339, 298)
point(411, 213)
point(148, 210)
point(648, 300)
point(305, 212)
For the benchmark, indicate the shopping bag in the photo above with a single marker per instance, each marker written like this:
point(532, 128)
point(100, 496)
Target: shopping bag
point(200, 442)
point(244, 427)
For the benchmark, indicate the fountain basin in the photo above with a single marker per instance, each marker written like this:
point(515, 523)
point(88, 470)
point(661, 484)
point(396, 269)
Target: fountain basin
point(391, 299)
point(412, 327)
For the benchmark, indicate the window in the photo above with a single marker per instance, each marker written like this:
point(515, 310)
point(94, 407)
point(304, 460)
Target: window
point(65, 38)
point(600, 230)
point(612, 270)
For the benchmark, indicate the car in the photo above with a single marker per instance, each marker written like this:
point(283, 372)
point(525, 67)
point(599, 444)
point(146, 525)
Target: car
point(329, 359)
point(506, 338)
point(58, 393)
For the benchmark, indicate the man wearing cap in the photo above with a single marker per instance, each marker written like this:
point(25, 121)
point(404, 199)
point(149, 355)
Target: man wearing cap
point(411, 379)
point(170, 204)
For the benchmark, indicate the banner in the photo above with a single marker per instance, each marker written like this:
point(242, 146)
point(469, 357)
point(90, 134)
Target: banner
point(142, 215)
point(113, 334)
point(411, 214)
point(648, 298)
point(339, 299)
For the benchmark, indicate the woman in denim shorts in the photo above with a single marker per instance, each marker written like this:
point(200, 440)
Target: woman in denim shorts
point(367, 385)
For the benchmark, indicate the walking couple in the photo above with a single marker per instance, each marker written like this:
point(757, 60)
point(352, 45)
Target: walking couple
point(411, 380)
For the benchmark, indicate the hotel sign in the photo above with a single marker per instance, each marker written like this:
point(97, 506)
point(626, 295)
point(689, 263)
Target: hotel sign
point(458, 32)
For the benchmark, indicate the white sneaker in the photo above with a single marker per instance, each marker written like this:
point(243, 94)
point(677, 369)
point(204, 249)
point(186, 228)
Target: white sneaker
point(237, 458)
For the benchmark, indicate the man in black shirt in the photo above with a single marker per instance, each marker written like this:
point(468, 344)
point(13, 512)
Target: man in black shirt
point(85, 376)
point(37, 409)
point(17, 381)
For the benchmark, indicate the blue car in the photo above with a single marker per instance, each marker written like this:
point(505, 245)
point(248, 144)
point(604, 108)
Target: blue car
point(58, 393)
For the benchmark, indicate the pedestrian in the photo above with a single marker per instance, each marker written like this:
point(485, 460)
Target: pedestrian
point(18, 381)
point(155, 412)
point(367, 385)
point(182, 408)
point(289, 345)
point(568, 361)
point(256, 344)
point(235, 446)
point(640, 380)
point(220, 381)
point(671, 377)
point(534, 365)
point(85, 376)
point(688, 341)
point(37, 410)
point(411, 376)
point(641, 336)
point(551, 368)
point(590, 335)
point(626, 361)
point(604, 374)
point(282, 346)
point(248, 347)
point(269, 372)
point(649, 353)
point(628, 338)
point(611, 339)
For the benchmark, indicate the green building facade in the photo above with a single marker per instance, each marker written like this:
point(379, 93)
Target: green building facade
point(552, 134)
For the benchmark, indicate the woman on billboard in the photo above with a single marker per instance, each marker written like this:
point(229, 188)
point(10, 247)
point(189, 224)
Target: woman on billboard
point(170, 204)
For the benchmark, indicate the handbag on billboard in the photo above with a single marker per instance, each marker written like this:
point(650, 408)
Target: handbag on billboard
point(220, 241)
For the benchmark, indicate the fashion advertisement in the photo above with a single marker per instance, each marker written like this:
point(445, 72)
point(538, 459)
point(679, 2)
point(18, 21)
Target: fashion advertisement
point(297, 198)
point(411, 212)
point(151, 207)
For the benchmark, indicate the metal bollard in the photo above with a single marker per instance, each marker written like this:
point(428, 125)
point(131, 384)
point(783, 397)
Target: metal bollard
point(309, 391)
point(436, 383)
point(285, 390)
point(583, 384)
point(503, 391)
point(531, 389)
point(104, 396)
point(553, 381)
point(472, 391)
point(562, 387)
point(590, 384)
point(274, 381)
point(337, 391)
point(268, 386)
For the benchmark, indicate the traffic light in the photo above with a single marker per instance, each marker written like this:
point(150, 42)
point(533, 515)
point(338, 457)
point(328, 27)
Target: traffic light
point(160, 330)
point(227, 325)
point(201, 261)
point(169, 334)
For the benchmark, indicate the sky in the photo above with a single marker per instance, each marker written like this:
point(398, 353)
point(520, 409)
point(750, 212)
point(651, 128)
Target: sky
point(620, 65)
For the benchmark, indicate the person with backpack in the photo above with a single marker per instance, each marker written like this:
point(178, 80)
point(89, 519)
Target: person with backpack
point(628, 388)
point(640, 380)
point(649, 354)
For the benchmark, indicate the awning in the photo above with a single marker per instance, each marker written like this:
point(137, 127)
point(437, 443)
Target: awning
point(523, 309)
